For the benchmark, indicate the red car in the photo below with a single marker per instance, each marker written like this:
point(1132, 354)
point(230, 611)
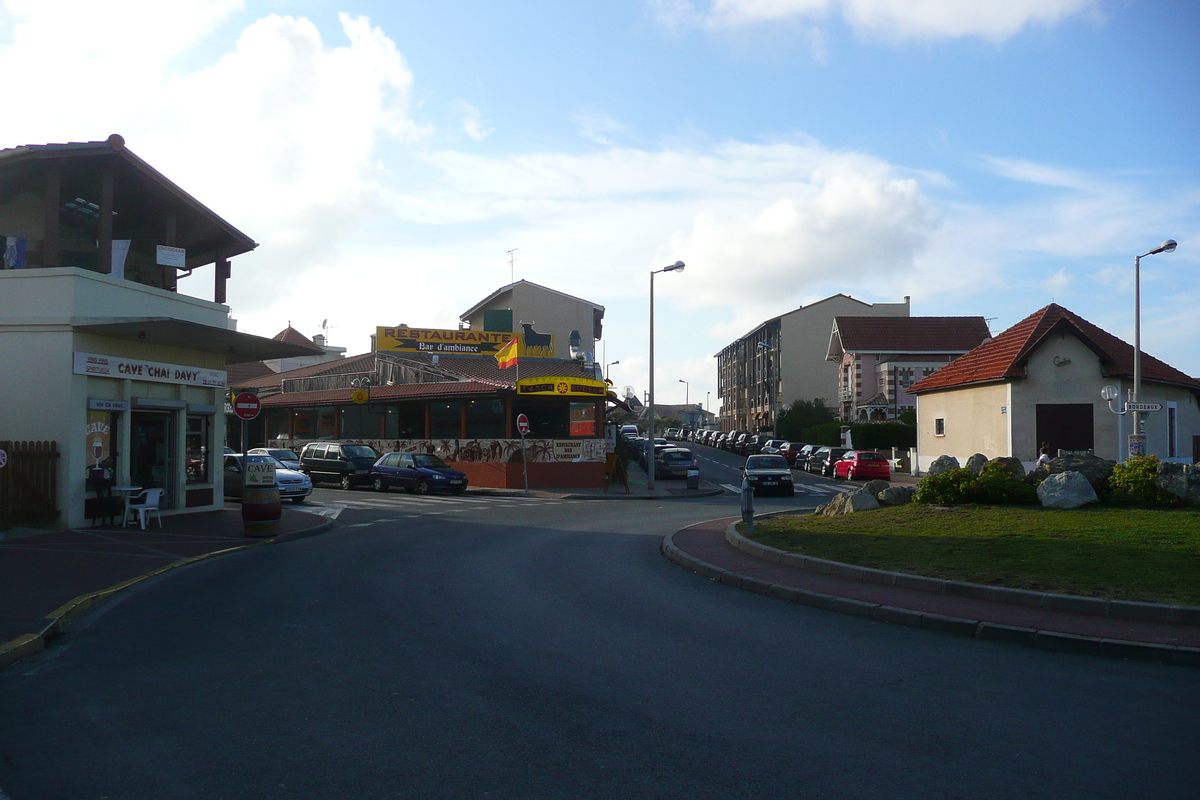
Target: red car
point(862, 464)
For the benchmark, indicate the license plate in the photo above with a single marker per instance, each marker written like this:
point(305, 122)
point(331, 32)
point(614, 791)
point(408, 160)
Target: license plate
point(454, 481)
point(770, 483)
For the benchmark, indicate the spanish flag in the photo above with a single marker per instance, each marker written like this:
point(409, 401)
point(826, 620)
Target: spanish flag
point(507, 356)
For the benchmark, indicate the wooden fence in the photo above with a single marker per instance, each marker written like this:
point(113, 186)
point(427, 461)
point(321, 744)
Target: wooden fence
point(29, 484)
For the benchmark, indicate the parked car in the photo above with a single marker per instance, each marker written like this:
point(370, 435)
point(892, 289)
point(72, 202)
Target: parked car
point(771, 446)
point(789, 451)
point(292, 484)
point(347, 463)
point(416, 472)
point(672, 434)
point(674, 462)
point(862, 464)
point(821, 461)
point(753, 444)
point(767, 474)
point(285, 457)
point(741, 442)
point(629, 431)
point(803, 454)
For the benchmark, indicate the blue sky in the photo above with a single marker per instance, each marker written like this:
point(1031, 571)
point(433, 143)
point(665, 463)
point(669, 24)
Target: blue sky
point(984, 158)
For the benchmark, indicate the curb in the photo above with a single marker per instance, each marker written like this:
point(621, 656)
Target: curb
point(30, 643)
point(975, 629)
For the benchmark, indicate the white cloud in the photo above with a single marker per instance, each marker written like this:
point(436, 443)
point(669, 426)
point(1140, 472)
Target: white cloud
point(893, 20)
point(474, 125)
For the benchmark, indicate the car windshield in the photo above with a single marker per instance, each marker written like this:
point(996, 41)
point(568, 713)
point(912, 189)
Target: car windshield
point(678, 455)
point(431, 462)
point(358, 451)
point(283, 455)
point(766, 462)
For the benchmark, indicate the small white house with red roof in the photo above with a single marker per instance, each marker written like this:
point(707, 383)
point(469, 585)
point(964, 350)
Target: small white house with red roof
point(1038, 385)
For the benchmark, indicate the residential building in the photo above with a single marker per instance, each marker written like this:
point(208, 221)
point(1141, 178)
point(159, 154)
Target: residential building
point(878, 358)
point(784, 359)
point(1038, 385)
point(99, 352)
point(525, 307)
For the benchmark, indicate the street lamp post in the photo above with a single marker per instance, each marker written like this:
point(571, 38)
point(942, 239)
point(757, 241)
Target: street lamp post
point(676, 267)
point(687, 388)
point(1166, 247)
point(606, 366)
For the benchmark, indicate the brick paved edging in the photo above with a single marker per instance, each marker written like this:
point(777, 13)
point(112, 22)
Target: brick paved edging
point(976, 629)
point(1096, 606)
point(56, 621)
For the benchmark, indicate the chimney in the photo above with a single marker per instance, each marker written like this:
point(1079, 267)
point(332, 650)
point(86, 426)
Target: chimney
point(319, 340)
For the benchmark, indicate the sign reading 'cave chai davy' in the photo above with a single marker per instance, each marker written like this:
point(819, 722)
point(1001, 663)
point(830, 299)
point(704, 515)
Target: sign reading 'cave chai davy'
point(562, 387)
point(153, 371)
point(435, 341)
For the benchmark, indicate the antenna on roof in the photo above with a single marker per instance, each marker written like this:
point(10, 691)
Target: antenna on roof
point(511, 279)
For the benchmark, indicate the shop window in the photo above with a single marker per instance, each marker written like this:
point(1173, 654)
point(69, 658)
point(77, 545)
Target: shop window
point(548, 419)
point(277, 424)
point(326, 415)
point(404, 421)
point(304, 423)
point(445, 420)
point(357, 422)
point(485, 419)
point(198, 450)
point(583, 419)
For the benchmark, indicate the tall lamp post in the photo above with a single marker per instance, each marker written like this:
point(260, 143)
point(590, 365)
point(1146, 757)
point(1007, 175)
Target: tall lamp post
point(1166, 247)
point(771, 388)
point(676, 267)
point(687, 388)
point(606, 366)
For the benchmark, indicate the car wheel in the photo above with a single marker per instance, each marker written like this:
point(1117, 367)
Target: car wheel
point(422, 486)
point(791, 492)
point(377, 484)
point(297, 500)
point(346, 482)
point(850, 474)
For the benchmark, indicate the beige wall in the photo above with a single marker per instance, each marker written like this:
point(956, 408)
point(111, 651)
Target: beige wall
point(549, 312)
point(977, 421)
point(804, 341)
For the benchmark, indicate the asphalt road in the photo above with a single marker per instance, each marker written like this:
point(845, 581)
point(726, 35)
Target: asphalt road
point(460, 647)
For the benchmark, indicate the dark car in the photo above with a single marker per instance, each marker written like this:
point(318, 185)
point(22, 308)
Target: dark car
point(741, 442)
point(347, 463)
point(769, 474)
point(821, 461)
point(674, 462)
point(753, 444)
point(803, 454)
point(416, 472)
point(789, 450)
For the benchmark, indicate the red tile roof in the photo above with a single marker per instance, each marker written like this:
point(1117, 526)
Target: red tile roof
point(1004, 357)
point(239, 375)
point(404, 391)
point(910, 334)
point(292, 336)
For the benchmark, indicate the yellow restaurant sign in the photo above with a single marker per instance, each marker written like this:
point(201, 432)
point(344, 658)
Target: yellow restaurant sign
point(562, 387)
point(434, 341)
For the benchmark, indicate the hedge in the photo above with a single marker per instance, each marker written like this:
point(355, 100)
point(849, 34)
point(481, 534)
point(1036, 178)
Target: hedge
point(865, 435)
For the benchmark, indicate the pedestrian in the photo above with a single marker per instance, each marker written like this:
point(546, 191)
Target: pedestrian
point(1044, 458)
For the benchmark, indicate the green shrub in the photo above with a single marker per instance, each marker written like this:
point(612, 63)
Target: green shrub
point(993, 486)
point(1133, 482)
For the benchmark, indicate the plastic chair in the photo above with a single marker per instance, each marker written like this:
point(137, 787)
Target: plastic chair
point(149, 505)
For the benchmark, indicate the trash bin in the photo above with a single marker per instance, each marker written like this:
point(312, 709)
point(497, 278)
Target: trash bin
point(693, 479)
point(261, 510)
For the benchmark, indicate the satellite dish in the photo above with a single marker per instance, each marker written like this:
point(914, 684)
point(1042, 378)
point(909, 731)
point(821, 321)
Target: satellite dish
point(629, 391)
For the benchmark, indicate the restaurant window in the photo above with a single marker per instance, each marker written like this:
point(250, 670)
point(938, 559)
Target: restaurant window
point(548, 419)
point(325, 422)
point(196, 443)
point(404, 421)
point(445, 420)
point(304, 423)
point(583, 419)
point(357, 422)
point(277, 424)
point(485, 419)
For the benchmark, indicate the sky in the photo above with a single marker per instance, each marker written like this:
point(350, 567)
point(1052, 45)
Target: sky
point(982, 158)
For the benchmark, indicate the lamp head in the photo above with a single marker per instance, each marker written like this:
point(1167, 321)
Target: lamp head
point(1109, 393)
point(1166, 247)
point(678, 267)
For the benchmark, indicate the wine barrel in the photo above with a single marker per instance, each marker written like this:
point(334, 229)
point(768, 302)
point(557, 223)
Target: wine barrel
point(261, 510)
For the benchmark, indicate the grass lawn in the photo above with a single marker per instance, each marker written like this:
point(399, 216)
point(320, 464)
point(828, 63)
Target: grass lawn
point(1118, 553)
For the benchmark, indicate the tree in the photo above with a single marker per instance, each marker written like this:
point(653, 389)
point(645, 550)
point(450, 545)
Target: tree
point(803, 414)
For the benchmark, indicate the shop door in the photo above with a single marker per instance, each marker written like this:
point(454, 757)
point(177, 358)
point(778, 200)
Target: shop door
point(1065, 426)
point(151, 442)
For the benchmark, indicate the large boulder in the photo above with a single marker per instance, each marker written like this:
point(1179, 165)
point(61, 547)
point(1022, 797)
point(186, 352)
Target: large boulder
point(943, 464)
point(976, 463)
point(896, 495)
point(1095, 469)
point(874, 487)
point(1180, 480)
point(1013, 465)
point(848, 503)
point(1066, 490)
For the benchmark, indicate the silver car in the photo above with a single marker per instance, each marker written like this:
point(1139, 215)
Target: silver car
point(285, 457)
point(291, 483)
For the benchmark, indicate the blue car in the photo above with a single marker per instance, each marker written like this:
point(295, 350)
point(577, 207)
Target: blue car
point(417, 472)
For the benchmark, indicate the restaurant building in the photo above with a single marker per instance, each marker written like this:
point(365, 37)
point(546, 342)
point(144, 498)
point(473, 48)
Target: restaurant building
point(100, 353)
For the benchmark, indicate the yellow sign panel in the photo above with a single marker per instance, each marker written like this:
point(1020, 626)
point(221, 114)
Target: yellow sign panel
point(562, 387)
point(438, 342)
point(359, 396)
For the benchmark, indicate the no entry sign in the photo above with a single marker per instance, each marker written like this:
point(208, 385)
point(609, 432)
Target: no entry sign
point(523, 424)
point(246, 405)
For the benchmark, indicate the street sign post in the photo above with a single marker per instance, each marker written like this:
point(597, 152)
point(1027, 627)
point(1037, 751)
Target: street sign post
point(246, 405)
point(1143, 407)
point(523, 428)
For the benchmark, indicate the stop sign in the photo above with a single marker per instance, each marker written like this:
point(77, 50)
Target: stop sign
point(523, 424)
point(246, 405)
